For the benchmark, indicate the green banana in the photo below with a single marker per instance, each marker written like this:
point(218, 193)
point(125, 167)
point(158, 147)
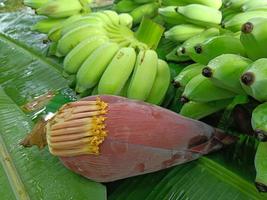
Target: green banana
point(236, 5)
point(174, 57)
point(45, 25)
point(183, 32)
point(254, 79)
point(35, 3)
point(60, 8)
point(78, 54)
point(215, 46)
point(236, 22)
point(171, 16)
point(117, 72)
point(125, 6)
point(87, 20)
point(95, 90)
point(55, 33)
point(147, 10)
point(94, 66)
point(161, 83)
point(255, 5)
point(225, 71)
point(202, 89)
point(144, 75)
point(189, 44)
point(172, 3)
point(210, 3)
point(74, 37)
point(201, 15)
point(113, 16)
point(126, 20)
point(188, 73)
point(254, 38)
point(259, 121)
point(197, 110)
point(261, 167)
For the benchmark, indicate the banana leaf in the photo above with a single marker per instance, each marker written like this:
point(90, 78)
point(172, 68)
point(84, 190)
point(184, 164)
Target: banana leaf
point(26, 73)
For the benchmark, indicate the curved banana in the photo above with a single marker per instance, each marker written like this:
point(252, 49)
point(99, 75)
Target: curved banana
point(254, 38)
point(254, 5)
point(171, 16)
point(74, 37)
point(183, 32)
point(113, 16)
point(201, 15)
point(45, 25)
point(210, 3)
point(117, 72)
point(161, 83)
point(175, 57)
point(236, 22)
point(35, 3)
point(147, 10)
point(215, 46)
point(188, 73)
point(225, 71)
point(254, 80)
point(78, 54)
point(125, 6)
point(189, 44)
point(94, 66)
point(143, 1)
point(202, 89)
point(197, 110)
point(144, 75)
point(259, 121)
point(60, 8)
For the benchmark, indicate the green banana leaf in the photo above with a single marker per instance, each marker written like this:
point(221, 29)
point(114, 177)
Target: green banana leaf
point(26, 73)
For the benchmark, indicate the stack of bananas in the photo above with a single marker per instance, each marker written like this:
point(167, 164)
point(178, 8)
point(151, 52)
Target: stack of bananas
point(137, 8)
point(56, 11)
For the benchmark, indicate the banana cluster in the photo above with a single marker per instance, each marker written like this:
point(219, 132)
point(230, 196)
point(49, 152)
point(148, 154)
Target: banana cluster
point(56, 11)
point(137, 8)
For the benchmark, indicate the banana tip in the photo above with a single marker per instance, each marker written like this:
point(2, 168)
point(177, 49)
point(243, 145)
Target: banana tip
point(184, 99)
point(207, 72)
point(247, 27)
point(261, 135)
point(261, 187)
point(198, 49)
point(247, 78)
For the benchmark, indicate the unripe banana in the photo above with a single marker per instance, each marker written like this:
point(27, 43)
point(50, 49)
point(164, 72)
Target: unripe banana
point(146, 10)
point(60, 8)
point(95, 90)
point(236, 22)
point(254, 80)
point(55, 33)
point(187, 74)
point(172, 3)
point(144, 75)
point(174, 57)
point(202, 89)
point(225, 71)
point(260, 165)
point(210, 3)
point(171, 16)
point(45, 25)
point(126, 20)
point(215, 46)
point(236, 5)
point(197, 110)
point(254, 38)
point(125, 6)
point(35, 3)
point(78, 54)
point(255, 5)
point(117, 72)
point(86, 20)
point(94, 66)
point(161, 83)
point(188, 45)
point(183, 32)
point(201, 15)
point(259, 121)
point(74, 37)
point(143, 1)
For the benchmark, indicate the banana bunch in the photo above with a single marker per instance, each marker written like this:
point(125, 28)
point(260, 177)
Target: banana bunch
point(56, 11)
point(105, 57)
point(137, 8)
